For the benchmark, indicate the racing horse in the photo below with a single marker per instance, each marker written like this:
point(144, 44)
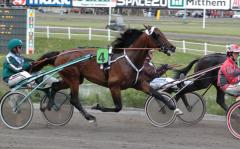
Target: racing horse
point(129, 51)
point(209, 78)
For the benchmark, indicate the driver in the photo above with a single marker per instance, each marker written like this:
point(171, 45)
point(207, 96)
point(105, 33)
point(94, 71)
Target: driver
point(229, 73)
point(150, 71)
point(152, 74)
point(16, 67)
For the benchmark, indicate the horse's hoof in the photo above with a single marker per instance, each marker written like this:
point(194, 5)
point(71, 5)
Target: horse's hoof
point(90, 118)
point(92, 121)
point(49, 108)
point(42, 109)
point(96, 107)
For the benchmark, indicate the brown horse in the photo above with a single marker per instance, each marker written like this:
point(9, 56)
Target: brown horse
point(129, 53)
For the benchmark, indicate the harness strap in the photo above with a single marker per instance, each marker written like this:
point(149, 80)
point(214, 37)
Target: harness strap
point(131, 64)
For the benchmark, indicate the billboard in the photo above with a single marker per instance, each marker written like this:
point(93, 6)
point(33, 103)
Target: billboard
point(13, 25)
point(142, 3)
point(43, 3)
point(94, 3)
point(235, 5)
point(199, 4)
point(16, 23)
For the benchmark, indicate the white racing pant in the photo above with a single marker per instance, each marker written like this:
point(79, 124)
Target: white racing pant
point(233, 89)
point(14, 79)
point(157, 83)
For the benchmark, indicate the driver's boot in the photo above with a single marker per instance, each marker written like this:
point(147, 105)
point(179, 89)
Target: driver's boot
point(50, 103)
point(177, 111)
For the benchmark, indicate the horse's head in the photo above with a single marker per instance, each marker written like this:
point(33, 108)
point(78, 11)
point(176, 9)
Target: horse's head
point(158, 40)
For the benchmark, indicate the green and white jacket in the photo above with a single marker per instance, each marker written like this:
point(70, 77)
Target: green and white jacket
point(13, 64)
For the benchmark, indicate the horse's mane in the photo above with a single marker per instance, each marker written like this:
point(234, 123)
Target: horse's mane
point(126, 39)
point(49, 55)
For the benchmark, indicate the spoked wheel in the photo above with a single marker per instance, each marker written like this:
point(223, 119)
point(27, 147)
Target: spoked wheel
point(60, 113)
point(16, 113)
point(193, 107)
point(158, 113)
point(233, 119)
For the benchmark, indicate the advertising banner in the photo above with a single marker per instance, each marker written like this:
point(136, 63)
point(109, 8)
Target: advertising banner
point(30, 31)
point(42, 3)
point(19, 2)
point(199, 4)
point(235, 5)
point(94, 3)
point(142, 3)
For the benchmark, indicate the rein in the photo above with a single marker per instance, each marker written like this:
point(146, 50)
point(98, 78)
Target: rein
point(203, 71)
point(196, 75)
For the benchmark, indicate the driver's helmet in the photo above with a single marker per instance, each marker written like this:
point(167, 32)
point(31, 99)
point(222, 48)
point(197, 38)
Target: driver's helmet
point(232, 49)
point(13, 43)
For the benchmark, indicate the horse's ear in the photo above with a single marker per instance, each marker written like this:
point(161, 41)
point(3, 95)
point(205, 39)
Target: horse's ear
point(145, 26)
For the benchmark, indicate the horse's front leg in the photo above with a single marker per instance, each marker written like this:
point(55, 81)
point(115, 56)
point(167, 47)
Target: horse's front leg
point(145, 87)
point(221, 100)
point(74, 86)
point(116, 95)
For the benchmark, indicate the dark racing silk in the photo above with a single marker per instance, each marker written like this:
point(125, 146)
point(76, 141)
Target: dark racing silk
point(228, 74)
point(151, 72)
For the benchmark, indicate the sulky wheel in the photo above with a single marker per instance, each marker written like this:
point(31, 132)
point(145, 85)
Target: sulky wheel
point(16, 112)
point(158, 113)
point(193, 107)
point(60, 113)
point(233, 119)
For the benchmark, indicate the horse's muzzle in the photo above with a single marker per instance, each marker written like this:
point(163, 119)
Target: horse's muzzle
point(169, 50)
point(172, 49)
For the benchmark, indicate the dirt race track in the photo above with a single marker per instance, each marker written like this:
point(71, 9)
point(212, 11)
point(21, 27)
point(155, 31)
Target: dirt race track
point(124, 130)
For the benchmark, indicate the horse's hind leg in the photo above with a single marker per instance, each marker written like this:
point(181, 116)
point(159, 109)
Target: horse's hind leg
point(116, 95)
point(56, 86)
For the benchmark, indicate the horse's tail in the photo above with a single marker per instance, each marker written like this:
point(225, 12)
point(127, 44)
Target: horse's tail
point(184, 70)
point(46, 59)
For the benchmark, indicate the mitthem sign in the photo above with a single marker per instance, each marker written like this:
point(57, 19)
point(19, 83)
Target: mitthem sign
point(42, 3)
point(199, 4)
point(235, 5)
point(141, 3)
point(94, 3)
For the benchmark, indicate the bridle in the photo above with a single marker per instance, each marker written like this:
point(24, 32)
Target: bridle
point(162, 46)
